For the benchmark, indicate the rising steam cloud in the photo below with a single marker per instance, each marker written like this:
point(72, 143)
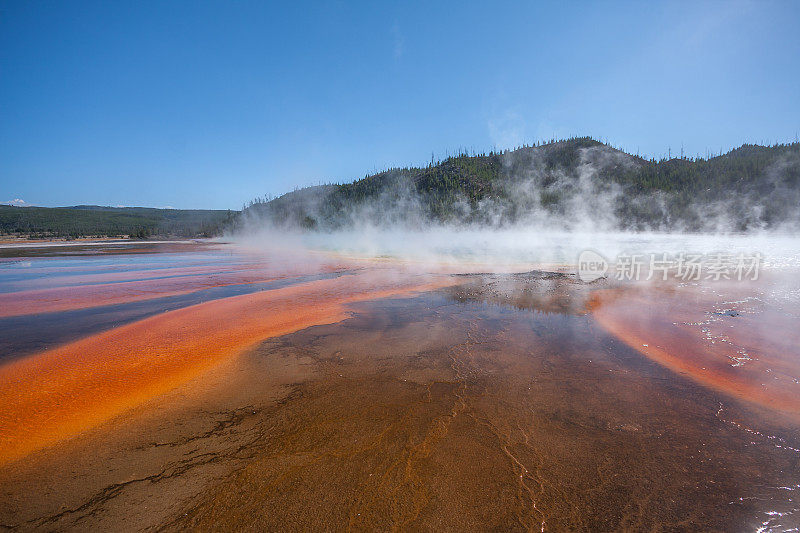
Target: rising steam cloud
point(536, 211)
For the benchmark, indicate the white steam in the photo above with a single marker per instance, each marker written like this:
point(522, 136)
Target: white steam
point(553, 214)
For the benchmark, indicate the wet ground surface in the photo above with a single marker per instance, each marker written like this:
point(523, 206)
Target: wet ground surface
point(27, 334)
point(472, 416)
point(76, 248)
point(497, 402)
point(739, 338)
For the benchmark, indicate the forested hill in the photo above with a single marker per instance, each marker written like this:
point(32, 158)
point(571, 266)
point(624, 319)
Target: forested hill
point(573, 183)
point(99, 221)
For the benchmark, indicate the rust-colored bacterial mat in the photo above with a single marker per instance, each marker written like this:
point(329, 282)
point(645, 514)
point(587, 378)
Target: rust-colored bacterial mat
point(347, 395)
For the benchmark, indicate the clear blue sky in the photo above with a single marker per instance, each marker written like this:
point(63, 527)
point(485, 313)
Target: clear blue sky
point(208, 104)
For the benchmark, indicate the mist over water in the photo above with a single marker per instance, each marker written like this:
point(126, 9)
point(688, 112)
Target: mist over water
point(518, 247)
point(545, 204)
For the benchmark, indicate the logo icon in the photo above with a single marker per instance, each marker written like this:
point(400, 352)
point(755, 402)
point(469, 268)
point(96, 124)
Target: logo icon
point(591, 266)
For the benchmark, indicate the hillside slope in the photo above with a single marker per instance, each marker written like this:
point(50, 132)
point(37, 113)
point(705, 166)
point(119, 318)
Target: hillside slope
point(574, 183)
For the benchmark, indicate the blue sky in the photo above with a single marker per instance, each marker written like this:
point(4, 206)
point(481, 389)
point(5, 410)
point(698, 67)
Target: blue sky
point(209, 104)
